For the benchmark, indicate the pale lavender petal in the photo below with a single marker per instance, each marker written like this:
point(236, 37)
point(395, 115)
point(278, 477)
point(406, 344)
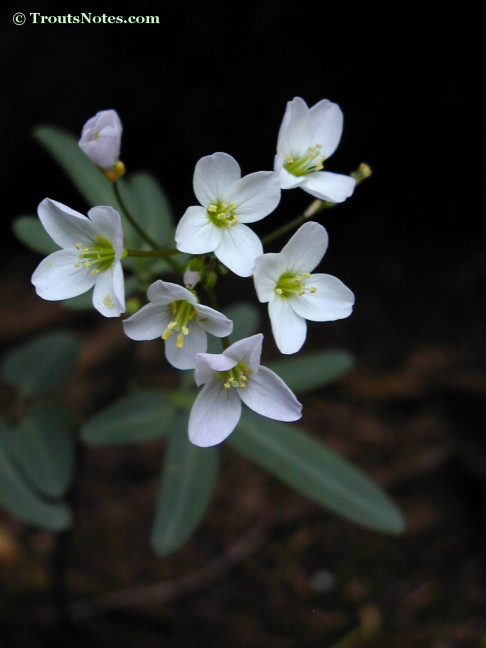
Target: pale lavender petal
point(101, 138)
point(304, 251)
point(327, 126)
point(119, 284)
point(331, 301)
point(185, 357)
point(213, 321)
point(325, 185)
point(195, 233)
point(238, 249)
point(247, 351)
point(255, 196)
point(165, 292)
point(107, 223)
point(213, 175)
point(288, 328)
point(207, 364)
point(148, 323)
point(267, 394)
point(105, 298)
point(57, 277)
point(65, 226)
point(214, 415)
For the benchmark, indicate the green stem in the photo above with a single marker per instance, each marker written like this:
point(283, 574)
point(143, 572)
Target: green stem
point(148, 239)
point(213, 302)
point(316, 206)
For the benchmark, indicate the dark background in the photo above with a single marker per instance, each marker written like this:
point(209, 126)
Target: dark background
point(410, 243)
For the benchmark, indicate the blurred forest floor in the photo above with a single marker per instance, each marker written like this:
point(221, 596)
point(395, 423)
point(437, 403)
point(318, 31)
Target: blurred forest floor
point(266, 568)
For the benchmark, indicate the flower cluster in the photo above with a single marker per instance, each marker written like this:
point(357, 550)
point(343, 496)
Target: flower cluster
point(217, 232)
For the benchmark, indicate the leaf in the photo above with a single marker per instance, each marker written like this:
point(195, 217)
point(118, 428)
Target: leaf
point(186, 486)
point(42, 448)
point(20, 500)
point(139, 417)
point(29, 231)
point(43, 365)
point(310, 468)
point(314, 370)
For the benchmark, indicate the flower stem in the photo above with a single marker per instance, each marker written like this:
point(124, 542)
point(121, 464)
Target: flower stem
point(316, 206)
point(148, 239)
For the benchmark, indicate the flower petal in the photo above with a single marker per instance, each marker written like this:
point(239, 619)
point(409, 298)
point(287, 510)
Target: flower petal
point(327, 126)
point(289, 180)
point(267, 271)
point(57, 277)
point(148, 323)
point(213, 321)
point(107, 223)
point(331, 301)
point(325, 185)
point(238, 249)
point(267, 394)
point(295, 135)
point(195, 233)
point(105, 296)
point(213, 175)
point(305, 249)
point(214, 415)
point(65, 226)
point(247, 351)
point(288, 328)
point(256, 195)
point(185, 357)
point(165, 292)
point(207, 364)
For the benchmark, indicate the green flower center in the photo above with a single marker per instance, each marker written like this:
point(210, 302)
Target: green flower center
point(183, 313)
point(292, 285)
point(99, 256)
point(309, 163)
point(235, 377)
point(222, 214)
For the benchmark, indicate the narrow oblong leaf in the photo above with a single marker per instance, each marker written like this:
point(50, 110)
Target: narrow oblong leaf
point(142, 416)
point(309, 467)
point(29, 231)
point(186, 486)
point(20, 499)
point(312, 371)
point(41, 366)
point(42, 447)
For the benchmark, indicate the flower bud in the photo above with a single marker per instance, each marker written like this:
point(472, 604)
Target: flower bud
point(101, 139)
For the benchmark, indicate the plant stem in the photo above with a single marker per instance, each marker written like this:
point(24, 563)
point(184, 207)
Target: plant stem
point(148, 239)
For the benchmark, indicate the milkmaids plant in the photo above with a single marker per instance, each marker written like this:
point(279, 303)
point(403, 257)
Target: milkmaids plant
point(126, 247)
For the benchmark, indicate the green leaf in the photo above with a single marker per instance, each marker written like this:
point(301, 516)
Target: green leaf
point(42, 448)
point(87, 178)
point(143, 416)
point(312, 371)
point(29, 231)
point(310, 468)
point(43, 365)
point(186, 486)
point(20, 499)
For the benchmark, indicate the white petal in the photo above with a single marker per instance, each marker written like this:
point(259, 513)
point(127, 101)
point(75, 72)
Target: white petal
point(185, 356)
point(195, 233)
point(105, 297)
point(107, 223)
point(207, 364)
point(256, 195)
point(289, 180)
point(288, 328)
point(148, 323)
point(267, 271)
point(267, 394)
point(327, 126)
point(213, 175)
point(325, 185)
point(65, 226)
point(165, 292)
point(57, 277)
point(331, 301)
point(305, 249)
point(247, 351)
point(101, 138)
point(213, 321)
point(238, 249)
point(214, 415)
point(295, 135)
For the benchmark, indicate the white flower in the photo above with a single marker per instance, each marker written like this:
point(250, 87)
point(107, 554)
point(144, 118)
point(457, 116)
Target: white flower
point(307, 137)
point(227, 202)
point(91, 254)
point(173, 308)
point(229, 378)
point(293, 294)
point(101, 138)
